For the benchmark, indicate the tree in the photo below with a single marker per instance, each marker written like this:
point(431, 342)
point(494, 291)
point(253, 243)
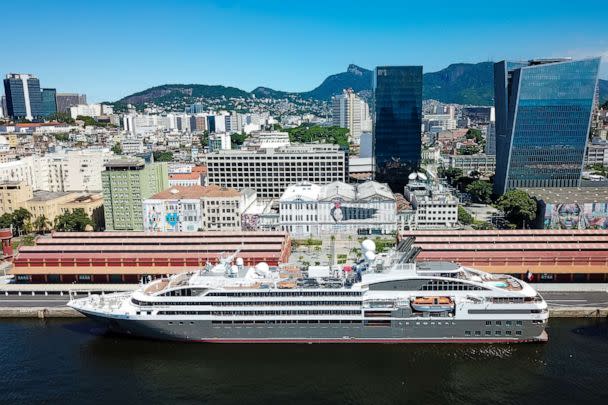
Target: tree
point(476, 134)
point(163, 156)
point(469, 150)
point(451, 173)
point(308, 133)
point(464, 217)
point(237, 139)
point(41, 224)
point(481, 191)
point(62, 137)
point(518, 207)
point(61, 117)
point(117, 148)
point(20, 220)
point(73, 221)
point(6, 220)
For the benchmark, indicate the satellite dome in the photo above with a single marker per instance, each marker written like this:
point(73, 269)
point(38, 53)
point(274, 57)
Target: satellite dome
point(412, 176)
point(369, 255)
point(262, 267)
point(368, 245)
point(422, 176)
point(239, 261)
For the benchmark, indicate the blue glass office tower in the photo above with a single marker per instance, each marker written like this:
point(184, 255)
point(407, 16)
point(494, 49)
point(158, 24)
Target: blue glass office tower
point(49, 102)
point(23, 96)
point(397, 123)
point(543, 115)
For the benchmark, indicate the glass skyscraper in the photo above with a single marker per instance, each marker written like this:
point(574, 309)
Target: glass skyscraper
point(397, 123)
point(49, 102)
point(543, 114)
point(23, 97)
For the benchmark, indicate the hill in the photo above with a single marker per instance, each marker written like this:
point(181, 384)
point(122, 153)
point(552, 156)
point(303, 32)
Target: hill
point(460, 83)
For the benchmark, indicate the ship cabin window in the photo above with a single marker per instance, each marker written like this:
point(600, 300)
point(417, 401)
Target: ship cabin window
point(519, 323)
point(497, 333)
point(498, 323)
point(509, 323)
point(467, 333)
point(477, 333)
point(488, 323)
point(508, 333)
point(182, 292)
point(488, 333)
point(518, 332)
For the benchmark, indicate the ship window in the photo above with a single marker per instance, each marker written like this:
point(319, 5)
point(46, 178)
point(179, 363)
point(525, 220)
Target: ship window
point(498, 323)
point(467, 333)
point(488, 333)
point(181, 323)
point(497, 333)
point(508, 333)
point(477, 333)
point(518, 332)
point(519, 323)
point(488, 323)
point(170, 323)
point(509, 323)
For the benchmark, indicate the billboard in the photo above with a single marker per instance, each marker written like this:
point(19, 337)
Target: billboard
point(576, 216)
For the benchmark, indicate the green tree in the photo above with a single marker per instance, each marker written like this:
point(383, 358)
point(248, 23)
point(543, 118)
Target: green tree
point(163, 156)
point(61, 117)
point(469, 150)
point(308, 133)
point(20, 220)
point(518, 206)
point(73, 221)
point(62, 137)
point(451, 173)
point(237, 139)
point(481, 191)
point(464, 217)
point(117, 148)
point(41, 224)
point(6, 220)
point(476, 134)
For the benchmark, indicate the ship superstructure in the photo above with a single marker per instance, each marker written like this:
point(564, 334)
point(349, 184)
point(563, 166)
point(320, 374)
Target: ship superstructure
point(386, 298)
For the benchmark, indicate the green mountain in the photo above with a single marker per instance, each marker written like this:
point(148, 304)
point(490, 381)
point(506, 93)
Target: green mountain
point(460, 83)
point(168, 92)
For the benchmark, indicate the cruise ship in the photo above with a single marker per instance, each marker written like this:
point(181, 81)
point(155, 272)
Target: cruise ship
point(385, 298)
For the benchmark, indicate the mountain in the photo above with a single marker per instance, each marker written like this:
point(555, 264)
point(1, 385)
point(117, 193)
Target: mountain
point(167, 92)
point(460, 83)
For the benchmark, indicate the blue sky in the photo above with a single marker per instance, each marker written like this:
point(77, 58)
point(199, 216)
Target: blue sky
point(109, 49)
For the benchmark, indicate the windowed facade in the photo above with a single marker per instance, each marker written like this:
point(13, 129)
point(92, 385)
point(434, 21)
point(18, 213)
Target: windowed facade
point(543, 114)
point(397, 123)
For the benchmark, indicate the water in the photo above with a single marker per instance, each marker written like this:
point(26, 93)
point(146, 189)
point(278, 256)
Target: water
point(72, 361)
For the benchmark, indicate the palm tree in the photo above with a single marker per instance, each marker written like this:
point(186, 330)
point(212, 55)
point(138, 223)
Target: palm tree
point(41, 224)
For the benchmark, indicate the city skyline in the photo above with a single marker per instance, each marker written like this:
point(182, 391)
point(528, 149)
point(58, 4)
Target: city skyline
point(282, 46)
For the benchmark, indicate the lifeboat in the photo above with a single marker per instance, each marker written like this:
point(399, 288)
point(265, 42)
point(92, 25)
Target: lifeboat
point(432, 304)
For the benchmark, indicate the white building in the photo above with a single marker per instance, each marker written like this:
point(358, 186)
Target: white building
point(307, 209)
point(467, 163)
point(352, 112)
point(270, 171)
point(219, 141)
point(89, 110)
point(192, 208)
point(132, 146)
point(434, 206)
point(597, 152)
point(266, 140)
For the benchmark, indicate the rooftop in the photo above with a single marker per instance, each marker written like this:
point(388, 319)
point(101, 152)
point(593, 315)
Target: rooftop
point(570, 195)
point(183, 192)
point(42, 195)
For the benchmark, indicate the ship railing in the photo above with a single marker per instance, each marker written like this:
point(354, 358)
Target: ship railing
point(379, 303)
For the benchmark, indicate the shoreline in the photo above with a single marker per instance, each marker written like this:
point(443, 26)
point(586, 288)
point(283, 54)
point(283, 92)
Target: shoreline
point(66, 312)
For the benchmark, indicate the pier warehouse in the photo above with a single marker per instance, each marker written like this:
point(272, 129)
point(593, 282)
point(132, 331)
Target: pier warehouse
point(562, 256)
point(126, 257)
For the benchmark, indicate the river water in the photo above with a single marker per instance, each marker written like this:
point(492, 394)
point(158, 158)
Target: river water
point(73, 361)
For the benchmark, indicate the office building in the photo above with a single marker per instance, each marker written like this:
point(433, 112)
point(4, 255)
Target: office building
point(308, 209)
point(482, 163)
point(49, 102)
point(352, 112)
point(23, 96)
point(543, 115)
point(397, 123)
point(67, 100)
point(270, 171)
point(47, 203)
point(126, 184)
